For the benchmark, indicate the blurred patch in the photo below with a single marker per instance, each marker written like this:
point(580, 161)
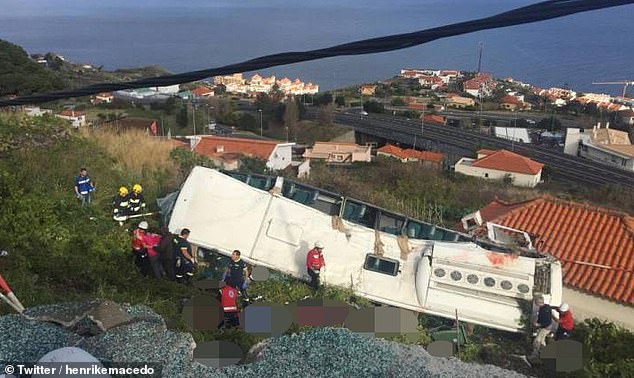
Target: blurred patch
point(202, 313)
point(441, 348)
point(320, 313)
point(361, 321)
point(563, 356)
point(217, 354)
point(392, 321)
point(267, 319)
point(208, 284)
point(260, 273)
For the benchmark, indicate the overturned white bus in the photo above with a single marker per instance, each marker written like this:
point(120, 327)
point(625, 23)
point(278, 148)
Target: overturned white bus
point(383, 256)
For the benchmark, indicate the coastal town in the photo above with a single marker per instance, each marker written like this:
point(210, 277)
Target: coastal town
point(431, 154)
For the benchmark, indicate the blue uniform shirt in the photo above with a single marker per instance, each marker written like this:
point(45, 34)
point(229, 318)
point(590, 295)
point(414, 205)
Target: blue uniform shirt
point(83, 184)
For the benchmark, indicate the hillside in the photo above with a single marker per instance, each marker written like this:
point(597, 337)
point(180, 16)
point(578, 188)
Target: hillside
point(20, 76)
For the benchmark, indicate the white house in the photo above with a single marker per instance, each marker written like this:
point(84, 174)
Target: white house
point(226, 150)
point(77, 119)
point(608, 146)
point(502, 164)
point(35, 111)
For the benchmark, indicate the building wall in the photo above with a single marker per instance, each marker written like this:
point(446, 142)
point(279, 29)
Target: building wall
point(280, 157)
point(585, 306)
point(362, 156)
point(590, 152)
point(519, 179)
point(571, 144)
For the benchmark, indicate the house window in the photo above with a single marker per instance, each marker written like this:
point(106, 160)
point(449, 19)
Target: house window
point(490, 282)
point(381, 265)
point(472, 279)
point(456, 276)
point(486, 175)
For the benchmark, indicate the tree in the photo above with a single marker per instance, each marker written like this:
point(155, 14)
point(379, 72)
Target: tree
point(326, 115)
point(322, 99)
point(551, 124)
point(340, 101)
point(182, 118)
point(373, 107)
point(19, 75)
point(248, 122)
point(397, 101)
point(291, 115)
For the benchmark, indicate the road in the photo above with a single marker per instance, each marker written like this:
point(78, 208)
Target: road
point(564, 167)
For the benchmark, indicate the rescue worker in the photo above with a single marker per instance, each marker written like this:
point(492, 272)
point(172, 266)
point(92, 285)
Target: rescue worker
point(166, 253)
point(120, 205)
point(84, 187)
point(542, 324)
point(153, 265)
point(229, 302)
point(314, 263)
point(136, 201)
point(139, 247)
point(236, 274)
point(185, 262)
point(566, 322)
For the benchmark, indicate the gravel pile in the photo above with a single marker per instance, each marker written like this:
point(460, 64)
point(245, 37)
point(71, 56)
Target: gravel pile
point(323, 352)
point(336, 352)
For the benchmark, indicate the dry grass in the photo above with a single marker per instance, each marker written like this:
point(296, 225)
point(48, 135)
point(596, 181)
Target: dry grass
point(138, 156)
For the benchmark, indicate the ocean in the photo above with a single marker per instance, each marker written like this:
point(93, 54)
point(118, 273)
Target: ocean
point(196, 34)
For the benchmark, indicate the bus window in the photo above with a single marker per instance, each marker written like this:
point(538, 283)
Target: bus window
point(392, 224)
point(360, 213)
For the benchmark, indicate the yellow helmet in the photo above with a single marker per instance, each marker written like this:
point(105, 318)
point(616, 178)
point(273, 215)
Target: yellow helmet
point(123, 191)
point(137, 188)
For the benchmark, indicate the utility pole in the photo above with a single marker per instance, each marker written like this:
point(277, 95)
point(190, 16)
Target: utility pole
point(422, 124)
point(260, 111)
point(194, 116)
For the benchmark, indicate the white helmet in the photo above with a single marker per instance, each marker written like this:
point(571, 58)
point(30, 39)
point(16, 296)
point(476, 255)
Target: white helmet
point(319, 245)
point(564, 307)
point(143, 225)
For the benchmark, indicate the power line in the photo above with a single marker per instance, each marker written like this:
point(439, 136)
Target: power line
point(532, 13)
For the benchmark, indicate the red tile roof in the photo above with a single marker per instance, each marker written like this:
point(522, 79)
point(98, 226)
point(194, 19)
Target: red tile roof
point(503, 160)
point(485, 151)
point(210, 146)
point(71, 113)
point(434, 118)
point(594, 244)
point(411, 153)
point(201, 91)
point(508, 99)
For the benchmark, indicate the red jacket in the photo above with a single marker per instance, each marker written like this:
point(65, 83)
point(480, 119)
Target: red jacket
point(229, 299)
point(145, 240)
point(137, 239)
point(315, 259)
point(566, 321)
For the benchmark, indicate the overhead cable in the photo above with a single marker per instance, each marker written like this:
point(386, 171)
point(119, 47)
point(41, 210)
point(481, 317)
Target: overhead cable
point(541, 11)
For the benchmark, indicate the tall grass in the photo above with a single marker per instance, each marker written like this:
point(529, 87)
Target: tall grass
point(139, 158)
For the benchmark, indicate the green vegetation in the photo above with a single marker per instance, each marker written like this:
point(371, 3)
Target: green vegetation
point(21, 76)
